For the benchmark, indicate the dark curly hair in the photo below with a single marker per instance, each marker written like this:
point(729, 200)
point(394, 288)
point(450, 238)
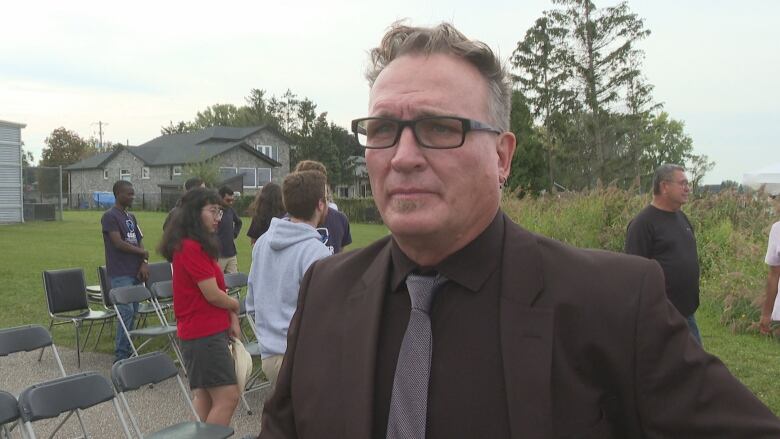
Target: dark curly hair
point(267, 205)
point(186, 222)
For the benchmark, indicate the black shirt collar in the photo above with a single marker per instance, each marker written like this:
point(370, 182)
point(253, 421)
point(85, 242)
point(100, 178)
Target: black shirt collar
point(470, 266)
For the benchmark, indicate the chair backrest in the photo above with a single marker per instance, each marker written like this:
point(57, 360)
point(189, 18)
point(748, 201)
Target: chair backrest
point(136, 372)
point(236, 280)
point(133, 373)
point(9, 408)
point(159, 272)
point(66, 290)
point(23, 339)
point(51, 398)
point(105, 285)
point(134, 293)
point(163, 290)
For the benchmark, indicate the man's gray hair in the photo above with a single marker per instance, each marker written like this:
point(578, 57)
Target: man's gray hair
point(664, 173)
point(402, 40)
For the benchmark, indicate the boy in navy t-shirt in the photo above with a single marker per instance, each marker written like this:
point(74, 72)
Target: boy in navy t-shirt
point(126, 258)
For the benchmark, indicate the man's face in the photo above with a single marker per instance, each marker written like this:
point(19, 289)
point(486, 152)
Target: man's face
point(676, 190)
point(125, 196)
point(427, 193)
point(229, 199)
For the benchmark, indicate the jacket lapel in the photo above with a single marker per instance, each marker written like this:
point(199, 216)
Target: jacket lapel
point(526, 337)
point(360, 331)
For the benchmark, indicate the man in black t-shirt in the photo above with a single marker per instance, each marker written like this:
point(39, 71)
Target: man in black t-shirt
point(661, 231)
point(227, 232)
point(126, 259)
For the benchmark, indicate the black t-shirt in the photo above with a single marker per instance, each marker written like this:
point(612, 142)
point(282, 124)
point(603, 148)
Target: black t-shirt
point(119, 263)
point(228, 230)
point(668, 238)
point(338, 230)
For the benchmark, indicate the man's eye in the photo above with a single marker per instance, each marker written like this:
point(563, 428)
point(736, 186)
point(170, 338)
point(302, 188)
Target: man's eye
point(381, 129)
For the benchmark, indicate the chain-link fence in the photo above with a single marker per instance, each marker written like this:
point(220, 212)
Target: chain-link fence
point(42, 194)
point(103, 200)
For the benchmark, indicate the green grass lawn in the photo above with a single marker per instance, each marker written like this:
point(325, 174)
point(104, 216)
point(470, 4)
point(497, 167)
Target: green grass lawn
point(30, 248)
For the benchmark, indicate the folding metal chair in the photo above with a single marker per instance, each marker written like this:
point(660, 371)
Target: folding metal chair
point(29, 338)
point(234, 282)
point(152, 368)
point(66, 299)
point(162, 295)
point(254, 383)
point(67, 394)
point(158, 272)
point(9, 412)
point(139, 293)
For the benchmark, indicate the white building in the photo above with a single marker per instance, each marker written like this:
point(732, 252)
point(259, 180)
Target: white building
point(11, 172)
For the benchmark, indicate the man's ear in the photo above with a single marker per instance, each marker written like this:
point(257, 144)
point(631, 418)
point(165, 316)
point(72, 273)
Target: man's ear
point(505, 147)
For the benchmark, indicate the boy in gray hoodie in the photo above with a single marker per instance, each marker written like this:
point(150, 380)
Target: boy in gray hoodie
point(280, 258)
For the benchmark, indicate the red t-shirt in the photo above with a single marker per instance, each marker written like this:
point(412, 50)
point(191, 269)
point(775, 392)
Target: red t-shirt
point(195, 316)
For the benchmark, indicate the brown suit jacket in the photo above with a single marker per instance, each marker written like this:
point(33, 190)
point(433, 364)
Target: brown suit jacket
point(591, 349)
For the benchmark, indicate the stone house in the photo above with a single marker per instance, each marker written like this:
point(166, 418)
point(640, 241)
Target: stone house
point(156, 168)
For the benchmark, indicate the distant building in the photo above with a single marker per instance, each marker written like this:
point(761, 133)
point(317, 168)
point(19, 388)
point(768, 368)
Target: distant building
point(359, 186)
point(156, 168)
point(11, 209)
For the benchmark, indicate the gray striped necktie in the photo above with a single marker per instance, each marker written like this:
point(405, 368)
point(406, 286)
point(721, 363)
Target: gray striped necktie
point(409, 400)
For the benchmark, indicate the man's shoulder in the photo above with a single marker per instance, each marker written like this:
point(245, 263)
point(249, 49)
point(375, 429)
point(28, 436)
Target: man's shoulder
point(775, 230)
point(572, 270)
point(336, 217)
point(350, 262)
point(109, 213)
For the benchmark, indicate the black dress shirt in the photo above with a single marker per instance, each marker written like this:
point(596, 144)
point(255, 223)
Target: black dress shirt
point(466, 396)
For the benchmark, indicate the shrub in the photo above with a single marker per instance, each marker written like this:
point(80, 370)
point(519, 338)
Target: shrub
point(359, 210)
point(731, 232)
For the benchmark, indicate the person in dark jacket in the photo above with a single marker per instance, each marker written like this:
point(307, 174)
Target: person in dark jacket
point(228, 231)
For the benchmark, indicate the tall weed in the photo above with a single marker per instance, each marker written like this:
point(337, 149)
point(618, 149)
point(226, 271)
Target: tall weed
point(731, 231)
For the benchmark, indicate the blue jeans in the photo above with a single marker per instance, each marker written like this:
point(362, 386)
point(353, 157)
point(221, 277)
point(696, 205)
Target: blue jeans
point(694, 328)
point(127, 312)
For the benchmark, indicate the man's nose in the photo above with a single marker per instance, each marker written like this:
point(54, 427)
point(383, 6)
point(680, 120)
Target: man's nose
point(408, 153)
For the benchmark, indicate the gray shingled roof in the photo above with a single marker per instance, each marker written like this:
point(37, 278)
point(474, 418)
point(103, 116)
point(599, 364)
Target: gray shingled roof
point(176, 149)
point(91, 162)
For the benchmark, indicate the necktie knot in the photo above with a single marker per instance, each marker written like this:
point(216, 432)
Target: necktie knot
point(421, 289)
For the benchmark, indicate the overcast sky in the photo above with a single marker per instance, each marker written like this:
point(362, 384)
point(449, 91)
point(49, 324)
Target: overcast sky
point(138, 65)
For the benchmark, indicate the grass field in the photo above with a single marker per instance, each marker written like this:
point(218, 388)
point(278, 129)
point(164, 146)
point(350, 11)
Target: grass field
point(29, 249)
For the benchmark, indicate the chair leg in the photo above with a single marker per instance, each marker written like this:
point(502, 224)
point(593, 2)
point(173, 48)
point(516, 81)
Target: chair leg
point(100, 334)
point(76, 325)
point(246, 404)
point(89, 332)
point(51, 323)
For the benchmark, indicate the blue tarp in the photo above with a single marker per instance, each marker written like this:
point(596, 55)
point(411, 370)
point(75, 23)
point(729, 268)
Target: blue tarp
point(103, 199)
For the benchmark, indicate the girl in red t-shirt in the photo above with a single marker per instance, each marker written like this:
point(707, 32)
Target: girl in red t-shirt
point(206, 316)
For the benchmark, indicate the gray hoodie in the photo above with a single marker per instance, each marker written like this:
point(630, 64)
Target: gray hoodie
point(279, 259)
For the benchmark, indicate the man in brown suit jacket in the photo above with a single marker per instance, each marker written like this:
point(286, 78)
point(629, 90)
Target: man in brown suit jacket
point(530, 338)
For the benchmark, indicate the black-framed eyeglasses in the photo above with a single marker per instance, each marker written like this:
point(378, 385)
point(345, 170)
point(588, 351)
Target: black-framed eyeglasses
point(437, 132)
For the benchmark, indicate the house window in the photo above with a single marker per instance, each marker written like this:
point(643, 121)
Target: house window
point(124, 174)
point(105, 174)
point(177, 170)
point(268, 150)
point(365, 190)
point(227, 172)
point(343, 191)
point(250, 176)
point(145, 173)
point(263, 176)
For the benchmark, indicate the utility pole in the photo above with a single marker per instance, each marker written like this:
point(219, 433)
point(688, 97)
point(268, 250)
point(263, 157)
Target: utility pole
point(100, 133)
